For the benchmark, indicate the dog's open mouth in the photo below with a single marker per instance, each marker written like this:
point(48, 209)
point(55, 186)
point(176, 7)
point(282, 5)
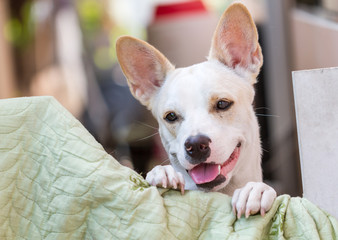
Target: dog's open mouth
point(205, 173)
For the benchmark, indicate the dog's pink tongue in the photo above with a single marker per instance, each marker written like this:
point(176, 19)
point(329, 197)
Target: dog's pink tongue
point(204, 173)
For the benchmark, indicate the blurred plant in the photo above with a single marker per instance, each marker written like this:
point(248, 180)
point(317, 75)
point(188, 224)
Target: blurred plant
point(218, 5)
point(91, 14)
point(19, 30)
point(97, 24)
point(102, 58)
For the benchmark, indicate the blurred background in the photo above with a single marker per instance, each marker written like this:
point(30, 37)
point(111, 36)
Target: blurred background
point(66, 48)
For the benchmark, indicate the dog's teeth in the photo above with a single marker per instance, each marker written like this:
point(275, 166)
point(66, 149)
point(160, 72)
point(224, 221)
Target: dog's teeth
point(219, 169)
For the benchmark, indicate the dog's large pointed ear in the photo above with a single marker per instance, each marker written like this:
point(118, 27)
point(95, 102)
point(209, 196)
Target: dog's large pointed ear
point(144, 67)
point(235, 41)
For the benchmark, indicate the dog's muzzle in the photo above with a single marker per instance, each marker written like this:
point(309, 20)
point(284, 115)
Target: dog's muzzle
point(210, 175)
point(197, 148)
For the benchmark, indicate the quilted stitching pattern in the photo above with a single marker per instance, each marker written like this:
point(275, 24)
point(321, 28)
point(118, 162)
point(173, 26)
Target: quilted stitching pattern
point(57, 182)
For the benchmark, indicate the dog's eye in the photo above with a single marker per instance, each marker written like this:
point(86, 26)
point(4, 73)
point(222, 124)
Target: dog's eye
point(223, 104)
point(171, 117)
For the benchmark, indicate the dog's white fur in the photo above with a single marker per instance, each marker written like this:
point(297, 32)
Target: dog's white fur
point(193, 93)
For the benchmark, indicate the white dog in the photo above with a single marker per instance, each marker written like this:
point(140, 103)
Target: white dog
point(205, 114)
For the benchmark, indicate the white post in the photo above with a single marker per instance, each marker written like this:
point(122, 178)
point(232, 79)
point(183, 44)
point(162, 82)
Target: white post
point(316, 98)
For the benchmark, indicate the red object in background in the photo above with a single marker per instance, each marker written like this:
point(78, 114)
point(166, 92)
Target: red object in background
point(182, 8)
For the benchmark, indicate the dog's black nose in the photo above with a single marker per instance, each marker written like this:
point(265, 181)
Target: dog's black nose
point(197, 148)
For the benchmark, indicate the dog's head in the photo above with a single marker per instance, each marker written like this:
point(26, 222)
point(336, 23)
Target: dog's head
point(205, 115)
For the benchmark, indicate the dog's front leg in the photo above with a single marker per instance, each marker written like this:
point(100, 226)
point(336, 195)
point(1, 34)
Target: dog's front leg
point(254, 197)
point(166, 177)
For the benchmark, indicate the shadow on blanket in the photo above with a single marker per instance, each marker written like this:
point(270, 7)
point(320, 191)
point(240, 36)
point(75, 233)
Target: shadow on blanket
point(57, 182)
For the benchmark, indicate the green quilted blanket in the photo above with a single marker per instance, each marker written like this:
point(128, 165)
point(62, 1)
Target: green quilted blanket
point(57, 182)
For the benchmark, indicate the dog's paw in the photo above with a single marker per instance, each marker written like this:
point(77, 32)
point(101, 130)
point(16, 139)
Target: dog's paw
point(166, 177)
point(254, 197)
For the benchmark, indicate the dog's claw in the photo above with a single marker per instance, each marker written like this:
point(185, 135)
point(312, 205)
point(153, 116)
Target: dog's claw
point(174, 184)
point(164, 183)
point(247, 213)
point(239, 213)
point(262, 212)
point(182, 189)
point(234, 209)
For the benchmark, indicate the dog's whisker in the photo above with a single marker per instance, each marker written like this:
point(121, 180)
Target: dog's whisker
point(260, 108)
point(111, 152)
point(266, 115)
point(265, 150)
point(165, 161)
point(147, 137)
point(147, 125)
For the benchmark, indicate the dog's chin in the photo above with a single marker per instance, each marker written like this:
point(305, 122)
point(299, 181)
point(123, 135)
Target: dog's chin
point(219, 179)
